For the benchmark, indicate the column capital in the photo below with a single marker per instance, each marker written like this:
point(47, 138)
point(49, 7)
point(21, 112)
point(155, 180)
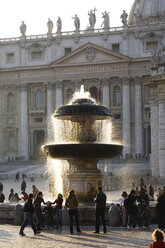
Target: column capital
point(125, 80)
point(77, 83)
point(137, 79)
point(23, 87)
point(59, 84)
point(49, 85)
point(105, 81)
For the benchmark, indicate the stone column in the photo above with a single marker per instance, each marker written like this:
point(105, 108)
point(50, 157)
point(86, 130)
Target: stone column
point(162, 138)
point(59, 94)
point(126, 117)
point(138, 117)
point(1, 122)
point(155, 138)
point(105, 92)
point(146, 140)
point(77, 84)
point(24, 140)
point(50, 111)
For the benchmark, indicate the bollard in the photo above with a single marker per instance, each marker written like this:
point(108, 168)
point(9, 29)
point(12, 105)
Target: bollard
point(114, 216)
point(18, 214)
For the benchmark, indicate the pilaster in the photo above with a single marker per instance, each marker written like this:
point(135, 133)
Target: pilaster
point(126, 117)
point(105, 92)
point(138, 117)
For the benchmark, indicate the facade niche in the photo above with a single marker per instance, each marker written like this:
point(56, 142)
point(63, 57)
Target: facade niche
point(94, 93)
point(11, 142)
point(10, 102)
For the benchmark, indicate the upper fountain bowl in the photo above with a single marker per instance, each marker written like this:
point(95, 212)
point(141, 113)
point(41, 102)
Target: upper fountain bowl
point(83, 106)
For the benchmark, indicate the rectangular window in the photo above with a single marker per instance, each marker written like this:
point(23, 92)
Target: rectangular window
point(151, 45)
point(10, 58)
point(68, 50)
point(117, 116)
point(36, 120)
point(115, 48)
point(37, 55)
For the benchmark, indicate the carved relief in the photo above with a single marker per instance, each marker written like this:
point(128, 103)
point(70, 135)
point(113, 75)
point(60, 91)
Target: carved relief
point(90, 53)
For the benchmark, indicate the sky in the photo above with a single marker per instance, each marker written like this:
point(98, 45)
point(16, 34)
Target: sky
point(35, 14)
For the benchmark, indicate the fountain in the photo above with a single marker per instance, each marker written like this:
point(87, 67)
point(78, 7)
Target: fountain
point(82, 138)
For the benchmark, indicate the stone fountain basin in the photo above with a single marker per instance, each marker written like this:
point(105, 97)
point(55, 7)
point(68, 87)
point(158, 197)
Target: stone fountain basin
point(82, 150)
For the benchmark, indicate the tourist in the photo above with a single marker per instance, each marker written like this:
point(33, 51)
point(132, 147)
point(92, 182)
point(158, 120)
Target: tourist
point(58, 211)
point(29, 210)
point(1, 186)
point(48, 215)
point(144, 207)
point(17, 177)
point(100, 210)
point(15, 198)
point(37, 207)
point(151, 192)
point(124, 211)
point(2, 197)
point(158, 237)
point(160, 207)
point(132, 210)
point(35, 191)
point(72, 204)
point(25, 196)
point(11, 194)
point(23, 185)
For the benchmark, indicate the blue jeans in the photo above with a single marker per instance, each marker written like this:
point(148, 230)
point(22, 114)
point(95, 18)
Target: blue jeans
point(28, 220)
point(59, 217)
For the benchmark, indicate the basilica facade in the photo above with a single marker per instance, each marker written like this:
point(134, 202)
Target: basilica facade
point(40, 73)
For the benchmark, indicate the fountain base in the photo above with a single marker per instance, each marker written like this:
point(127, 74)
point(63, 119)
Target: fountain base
point(84, 178)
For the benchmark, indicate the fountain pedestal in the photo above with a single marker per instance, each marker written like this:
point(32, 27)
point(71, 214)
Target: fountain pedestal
point(84, 178)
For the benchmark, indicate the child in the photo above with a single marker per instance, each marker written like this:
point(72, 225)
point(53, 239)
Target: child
point(48, 215)
point(158, 237)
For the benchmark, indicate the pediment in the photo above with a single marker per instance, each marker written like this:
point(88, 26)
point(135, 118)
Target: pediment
point(90, 54)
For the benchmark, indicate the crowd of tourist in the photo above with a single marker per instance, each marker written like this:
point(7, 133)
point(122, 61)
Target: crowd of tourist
point(133, 209)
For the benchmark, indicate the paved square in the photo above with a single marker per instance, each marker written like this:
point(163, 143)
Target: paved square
point(115, 238)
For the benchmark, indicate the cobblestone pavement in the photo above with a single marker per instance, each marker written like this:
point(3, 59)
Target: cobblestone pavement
point(115, 238)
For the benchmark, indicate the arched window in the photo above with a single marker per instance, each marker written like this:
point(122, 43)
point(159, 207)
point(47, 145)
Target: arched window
point(94, 92)
point(69, 95)
point(39, 99)
point(116, 96)
point(10, 102)
point(11, 142)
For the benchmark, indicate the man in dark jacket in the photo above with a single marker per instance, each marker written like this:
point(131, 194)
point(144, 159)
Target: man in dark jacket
point(100, 210)
point(131, 207)
point(37, 207)
point(29, 210)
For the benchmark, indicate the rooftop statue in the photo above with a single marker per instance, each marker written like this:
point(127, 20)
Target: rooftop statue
point(138, 17)
point(105, 16)
point(59, 25)
point(76, 22)
point(92, 18)
point(23, 28)
point(50, 26)
point(124, 17)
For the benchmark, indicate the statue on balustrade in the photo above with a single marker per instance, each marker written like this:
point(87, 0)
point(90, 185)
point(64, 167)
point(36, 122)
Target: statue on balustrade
point(105, 16)
point(124, 17)
point(23, 28)
point(76, 22)
point(50, 26)
point(59, 25)
point(138, 17)
point(92, 18)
